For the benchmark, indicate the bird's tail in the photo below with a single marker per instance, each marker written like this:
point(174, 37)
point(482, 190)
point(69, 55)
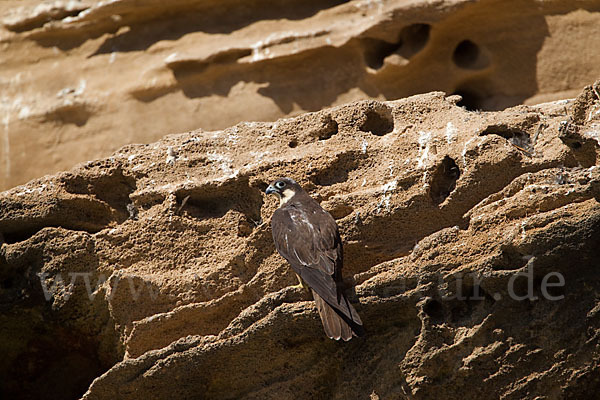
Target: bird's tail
point(336, 322)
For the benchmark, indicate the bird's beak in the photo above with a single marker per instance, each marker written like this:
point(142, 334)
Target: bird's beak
point(270, 190)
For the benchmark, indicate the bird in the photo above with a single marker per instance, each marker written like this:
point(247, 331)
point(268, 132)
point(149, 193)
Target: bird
point(308, 237)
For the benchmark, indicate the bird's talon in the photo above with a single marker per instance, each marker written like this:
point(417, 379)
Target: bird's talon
point(300, 286)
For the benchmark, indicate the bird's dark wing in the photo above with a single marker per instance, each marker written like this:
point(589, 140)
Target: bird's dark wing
point(309, 240)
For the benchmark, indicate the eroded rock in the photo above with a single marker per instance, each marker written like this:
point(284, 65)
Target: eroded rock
point(80, 79)
point(443, 215)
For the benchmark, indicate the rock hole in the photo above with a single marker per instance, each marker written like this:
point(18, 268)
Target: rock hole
point(378, 122)
point(468, 55)
point(113, 187)
point(411, 40)
point(376, 51)
point(513, 135)
point(414, 38)
point(337, 170)
point(229, 56)
point(77, 214)
point(6, 283)
point(471, 100)
point(584, 147)
point(214, 201)
point(328, 128)
point(434, 309)
point(444, 180)
point(293, 143)
point(76, 113)
point(20, 236)
point(510, 259)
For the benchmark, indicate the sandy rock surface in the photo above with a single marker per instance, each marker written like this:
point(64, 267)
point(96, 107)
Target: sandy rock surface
point(152, 273)
point(80, 79)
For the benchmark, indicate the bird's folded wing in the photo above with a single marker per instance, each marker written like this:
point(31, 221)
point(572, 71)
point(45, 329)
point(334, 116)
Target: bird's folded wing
point(312, 245)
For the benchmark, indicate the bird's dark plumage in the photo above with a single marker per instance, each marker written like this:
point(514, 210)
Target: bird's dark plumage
point(307, 237)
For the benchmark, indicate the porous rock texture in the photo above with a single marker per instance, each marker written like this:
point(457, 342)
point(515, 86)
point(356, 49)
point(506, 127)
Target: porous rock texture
point(79, 79)
point(152, 273)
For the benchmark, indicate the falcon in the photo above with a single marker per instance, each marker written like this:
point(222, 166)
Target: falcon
point(307, 237)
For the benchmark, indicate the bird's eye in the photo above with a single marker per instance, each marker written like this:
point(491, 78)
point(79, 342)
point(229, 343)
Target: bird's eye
point(280, 184)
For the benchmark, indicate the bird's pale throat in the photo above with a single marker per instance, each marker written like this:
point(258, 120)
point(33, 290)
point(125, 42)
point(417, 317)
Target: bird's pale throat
point(286, 196)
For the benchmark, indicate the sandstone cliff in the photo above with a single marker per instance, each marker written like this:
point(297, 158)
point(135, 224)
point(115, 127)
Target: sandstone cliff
point(79, 79)
point(152, 273)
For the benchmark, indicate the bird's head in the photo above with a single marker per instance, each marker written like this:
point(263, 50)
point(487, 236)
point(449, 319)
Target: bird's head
point(284, 188)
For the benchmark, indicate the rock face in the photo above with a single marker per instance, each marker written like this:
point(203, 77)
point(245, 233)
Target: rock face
point(472, 242)
point(79, 79)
